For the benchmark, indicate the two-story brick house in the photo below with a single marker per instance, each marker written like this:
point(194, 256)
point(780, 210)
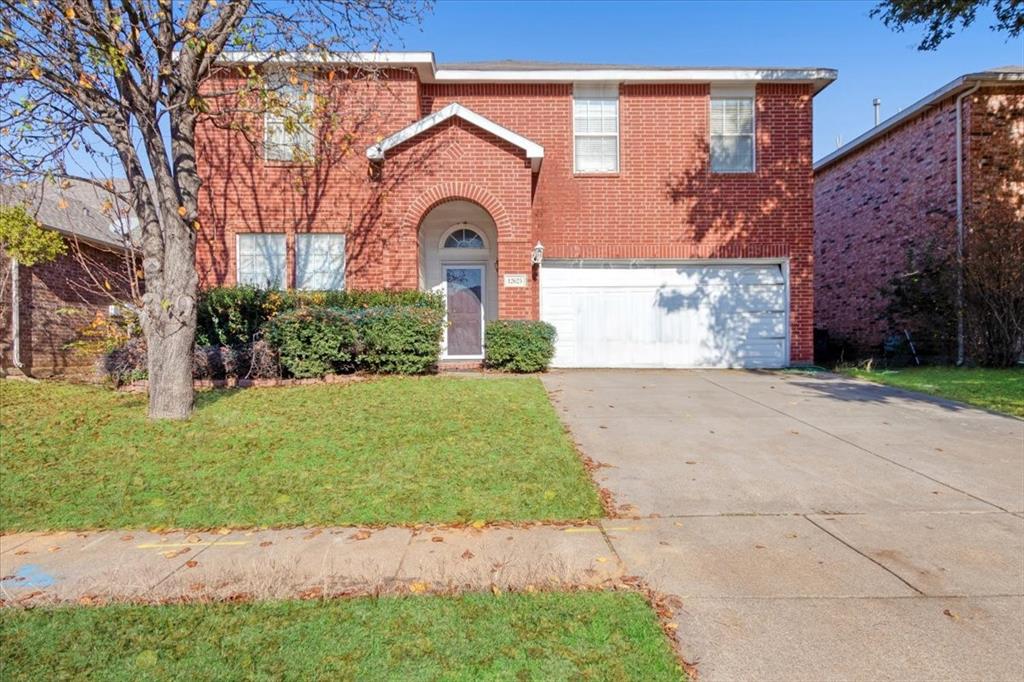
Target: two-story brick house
point(658, 217)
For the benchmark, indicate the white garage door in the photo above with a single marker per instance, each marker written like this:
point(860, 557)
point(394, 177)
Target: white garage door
point(682, 315)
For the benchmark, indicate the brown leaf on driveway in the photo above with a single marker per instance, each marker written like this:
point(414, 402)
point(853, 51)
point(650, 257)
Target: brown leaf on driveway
point(437, 538)
point(361, 535)
point(191, 563)
point(22, 552)
point(55, 548)
point(951, 614)
point(468, 555)
point(193, 539)
point(266, 543)
point(313, 533)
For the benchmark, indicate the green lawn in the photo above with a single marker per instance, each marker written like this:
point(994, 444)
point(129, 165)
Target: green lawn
point(388, 451)
point(1001, 390)
point(586, 635)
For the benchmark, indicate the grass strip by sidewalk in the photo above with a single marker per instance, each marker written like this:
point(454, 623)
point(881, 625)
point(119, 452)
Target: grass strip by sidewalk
point(387, 451)
point(1000, 390)
point(581, 635)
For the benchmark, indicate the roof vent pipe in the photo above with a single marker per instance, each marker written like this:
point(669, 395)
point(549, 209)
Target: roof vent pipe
point(878, 110)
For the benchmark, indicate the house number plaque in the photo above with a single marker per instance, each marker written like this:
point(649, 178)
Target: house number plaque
point(515, 280)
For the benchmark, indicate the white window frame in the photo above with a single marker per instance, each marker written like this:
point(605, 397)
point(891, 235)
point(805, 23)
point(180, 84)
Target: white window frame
point(309, 237)
point(463, 226)
point(238, 256)
point(597, 91)
point(734, 92)
point(308, 141)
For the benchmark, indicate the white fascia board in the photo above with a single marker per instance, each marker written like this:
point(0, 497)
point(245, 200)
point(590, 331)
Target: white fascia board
point(423, 62)
point(534, 151)
point(820, 77)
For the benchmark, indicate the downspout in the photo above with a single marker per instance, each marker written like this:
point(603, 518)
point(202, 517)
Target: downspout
point(16, 315)
point(960, 231)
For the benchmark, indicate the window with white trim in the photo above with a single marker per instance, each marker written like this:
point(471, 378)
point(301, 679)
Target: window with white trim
point(595, 115)
point(261, 260)
point(320, 261)
point(288, 121)
point(732, 134)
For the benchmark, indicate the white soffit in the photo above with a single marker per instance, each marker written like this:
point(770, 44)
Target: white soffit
point(533, 151)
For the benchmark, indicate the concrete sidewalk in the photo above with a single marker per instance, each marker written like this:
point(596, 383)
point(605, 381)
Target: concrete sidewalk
point(114, 565)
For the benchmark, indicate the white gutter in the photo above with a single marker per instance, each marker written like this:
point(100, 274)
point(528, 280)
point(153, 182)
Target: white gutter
point(960, 232)
point(428, 71)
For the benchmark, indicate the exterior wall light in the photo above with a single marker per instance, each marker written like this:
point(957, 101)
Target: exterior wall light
point(537, 257)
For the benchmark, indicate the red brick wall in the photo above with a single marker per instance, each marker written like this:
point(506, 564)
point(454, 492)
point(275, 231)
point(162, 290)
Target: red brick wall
point(58, 300)
point(898, 193)
point(664, 202)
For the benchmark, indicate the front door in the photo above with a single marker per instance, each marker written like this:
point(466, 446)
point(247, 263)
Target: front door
point(465, 296)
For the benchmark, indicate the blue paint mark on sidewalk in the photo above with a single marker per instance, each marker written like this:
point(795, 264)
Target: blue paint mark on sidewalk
point(29, 575)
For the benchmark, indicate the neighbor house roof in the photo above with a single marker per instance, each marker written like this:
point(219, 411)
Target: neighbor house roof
point(77, 209)
point(997, 75)
point(534, 151)
point(518, 71)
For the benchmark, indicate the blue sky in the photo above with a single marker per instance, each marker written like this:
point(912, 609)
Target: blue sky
point(872, 60)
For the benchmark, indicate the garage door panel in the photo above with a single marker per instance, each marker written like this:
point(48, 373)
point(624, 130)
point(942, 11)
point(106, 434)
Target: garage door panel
point(666, 316)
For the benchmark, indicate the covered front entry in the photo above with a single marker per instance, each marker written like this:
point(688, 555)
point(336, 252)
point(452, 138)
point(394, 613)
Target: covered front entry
point(708, 314)
point(458, 259)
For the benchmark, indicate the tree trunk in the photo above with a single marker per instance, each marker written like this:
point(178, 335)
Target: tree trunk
point(169, 347)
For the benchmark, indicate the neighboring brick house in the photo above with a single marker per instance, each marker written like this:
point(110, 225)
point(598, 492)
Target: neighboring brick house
point(57, 301)
point(894, 188)
point(656, 216)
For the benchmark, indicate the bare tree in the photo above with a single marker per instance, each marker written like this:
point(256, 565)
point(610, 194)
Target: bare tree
point(123, 79)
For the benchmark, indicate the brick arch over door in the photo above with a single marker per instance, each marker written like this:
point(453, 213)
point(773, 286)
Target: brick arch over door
point(458, 191)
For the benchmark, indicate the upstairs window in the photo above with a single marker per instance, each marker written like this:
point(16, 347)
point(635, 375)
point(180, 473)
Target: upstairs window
point(261, 260)
point(320, 261)
point(732, 134)
point(288, 121)
point(595, 111)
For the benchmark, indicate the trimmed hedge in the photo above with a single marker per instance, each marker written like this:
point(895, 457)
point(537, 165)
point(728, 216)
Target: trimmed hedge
point(400, 340)
point(234, 316)
point(313, 341)
point(519, 345)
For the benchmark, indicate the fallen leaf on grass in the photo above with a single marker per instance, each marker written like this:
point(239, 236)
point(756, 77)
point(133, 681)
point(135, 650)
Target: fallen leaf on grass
point(496, 590)
point(417, 588)
point(479, 524)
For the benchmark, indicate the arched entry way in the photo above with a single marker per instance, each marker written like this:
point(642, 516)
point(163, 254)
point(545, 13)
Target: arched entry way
point(458, 251)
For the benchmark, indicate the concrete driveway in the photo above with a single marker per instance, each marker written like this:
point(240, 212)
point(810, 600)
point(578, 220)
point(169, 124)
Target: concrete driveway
point(815, 527)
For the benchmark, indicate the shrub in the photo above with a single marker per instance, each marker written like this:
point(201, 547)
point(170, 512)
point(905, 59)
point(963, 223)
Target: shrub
point(230, 316)
point(519, 345)
point(126, 363)
point(313, 341)
point(400, 339)
point(233, 316)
